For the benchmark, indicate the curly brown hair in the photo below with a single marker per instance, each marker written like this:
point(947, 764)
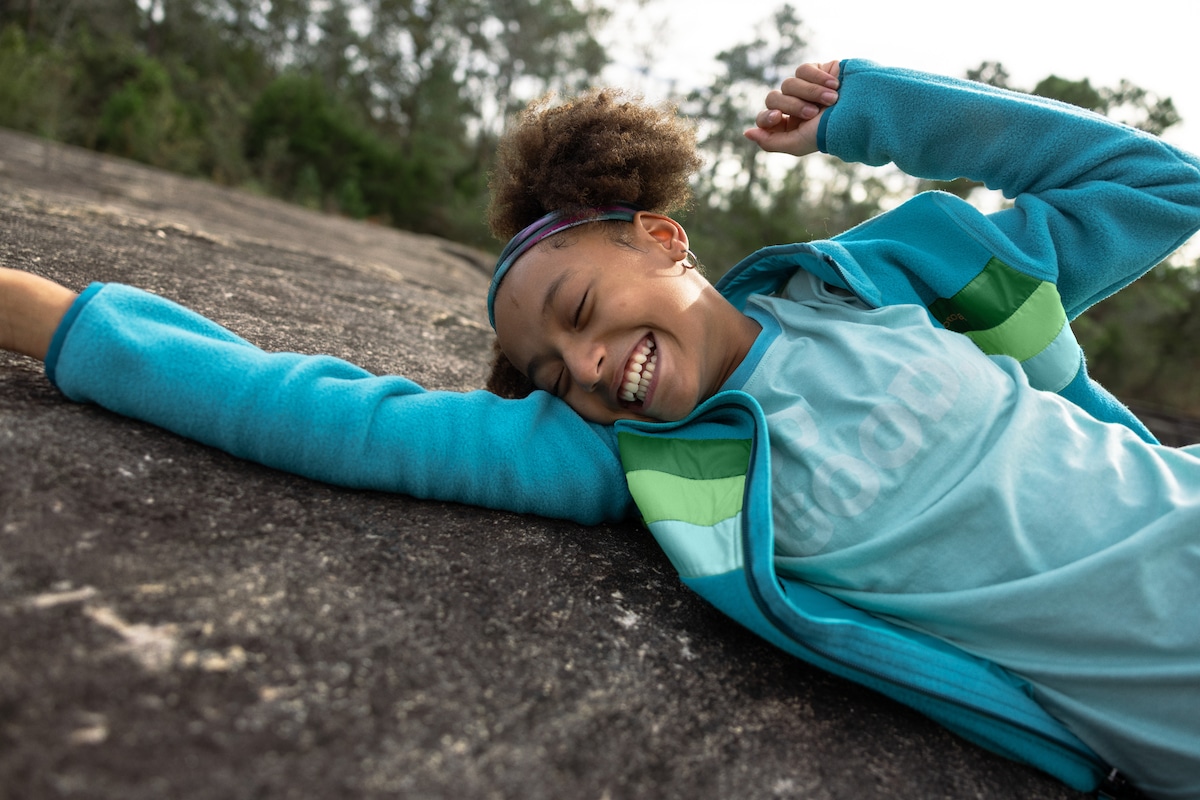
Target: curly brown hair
point(603, 147)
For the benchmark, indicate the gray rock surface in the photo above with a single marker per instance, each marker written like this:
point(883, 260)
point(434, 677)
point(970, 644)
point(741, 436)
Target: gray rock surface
point(176, 623)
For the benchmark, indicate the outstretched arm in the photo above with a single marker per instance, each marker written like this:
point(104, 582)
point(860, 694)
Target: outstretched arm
point(31, 308)
point(150, 359)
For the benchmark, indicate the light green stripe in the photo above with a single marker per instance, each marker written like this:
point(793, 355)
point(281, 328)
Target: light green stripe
point(690, 458)
point(700, 551)
point(1029, 330)
point(660, 495)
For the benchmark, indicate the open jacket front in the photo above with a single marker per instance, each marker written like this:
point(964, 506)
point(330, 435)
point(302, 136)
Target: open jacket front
point(704, 490)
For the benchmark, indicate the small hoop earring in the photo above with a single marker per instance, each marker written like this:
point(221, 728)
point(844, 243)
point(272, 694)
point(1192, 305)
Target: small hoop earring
point(689, 260)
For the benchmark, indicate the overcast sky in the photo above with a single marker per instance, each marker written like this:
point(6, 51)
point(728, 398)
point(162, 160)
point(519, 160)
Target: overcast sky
point(1153, 43)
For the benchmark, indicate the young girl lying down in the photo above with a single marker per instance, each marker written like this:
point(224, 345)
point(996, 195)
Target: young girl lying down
point(938, 455)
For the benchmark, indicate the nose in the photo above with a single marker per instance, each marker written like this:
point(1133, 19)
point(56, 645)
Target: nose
point(585, 362)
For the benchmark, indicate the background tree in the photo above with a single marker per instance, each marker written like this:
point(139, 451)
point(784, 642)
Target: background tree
point(1141, 342)
point(740, 204)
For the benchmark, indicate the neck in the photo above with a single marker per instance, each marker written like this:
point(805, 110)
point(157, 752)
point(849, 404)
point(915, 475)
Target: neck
point(741, 331)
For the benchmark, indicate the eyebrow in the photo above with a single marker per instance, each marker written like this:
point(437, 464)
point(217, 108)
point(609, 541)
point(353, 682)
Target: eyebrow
point(553, 289)
point(552, 292)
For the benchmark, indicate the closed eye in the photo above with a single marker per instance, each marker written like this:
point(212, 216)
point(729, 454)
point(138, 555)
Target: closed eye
point(579, 310)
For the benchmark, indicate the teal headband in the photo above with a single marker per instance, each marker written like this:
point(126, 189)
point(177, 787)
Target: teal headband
point(547, 226)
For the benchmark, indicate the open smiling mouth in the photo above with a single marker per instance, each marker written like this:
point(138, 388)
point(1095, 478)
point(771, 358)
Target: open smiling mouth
point(639, 372)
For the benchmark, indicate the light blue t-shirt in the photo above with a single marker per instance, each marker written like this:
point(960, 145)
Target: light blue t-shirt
point(919, 479)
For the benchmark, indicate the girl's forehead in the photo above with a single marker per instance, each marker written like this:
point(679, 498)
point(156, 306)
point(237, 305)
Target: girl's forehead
point(546, 268)
point(529, 277)
point(525, 295)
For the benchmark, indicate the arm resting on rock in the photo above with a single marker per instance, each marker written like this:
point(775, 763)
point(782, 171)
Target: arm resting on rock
point(147, 358)
point(31, 308)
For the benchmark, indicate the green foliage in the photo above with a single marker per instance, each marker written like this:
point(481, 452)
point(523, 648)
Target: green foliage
point(1141, 342)
point(34, 83)
point(733, 173)
point(740, 205)
point(992, 73)
point(1077, 93)
point(144, 120)
point(1126, 102)
point(396, 103)
point(310, 147)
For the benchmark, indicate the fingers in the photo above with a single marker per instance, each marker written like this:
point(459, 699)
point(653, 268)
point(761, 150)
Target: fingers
point(784, 105)
point(773, 117)
point(813, 87)
point(787, 122)
point(826, 73)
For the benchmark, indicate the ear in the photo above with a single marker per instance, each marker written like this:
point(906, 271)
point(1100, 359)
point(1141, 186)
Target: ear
point(664, 231)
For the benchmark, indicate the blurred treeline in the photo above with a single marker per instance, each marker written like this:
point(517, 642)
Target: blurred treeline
point(389, 110)
point(385, 109)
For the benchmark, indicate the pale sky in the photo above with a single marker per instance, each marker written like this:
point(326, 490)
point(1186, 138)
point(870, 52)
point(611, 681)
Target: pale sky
point(1153, 43)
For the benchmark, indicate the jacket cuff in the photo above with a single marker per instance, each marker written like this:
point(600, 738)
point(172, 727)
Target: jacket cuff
point(64, 329)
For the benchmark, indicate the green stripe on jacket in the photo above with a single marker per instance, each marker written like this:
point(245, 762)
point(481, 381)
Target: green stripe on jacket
point(1006, 312)
point(690, 494)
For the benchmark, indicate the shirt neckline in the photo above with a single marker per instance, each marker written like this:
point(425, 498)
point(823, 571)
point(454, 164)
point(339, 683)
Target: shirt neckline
point(766, 337)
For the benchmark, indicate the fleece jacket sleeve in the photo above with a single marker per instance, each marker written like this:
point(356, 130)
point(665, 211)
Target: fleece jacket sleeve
point(147, 358)
point(1096, 204)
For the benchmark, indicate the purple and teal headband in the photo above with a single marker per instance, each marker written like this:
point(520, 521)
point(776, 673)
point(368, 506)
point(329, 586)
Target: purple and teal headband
point(547, 226)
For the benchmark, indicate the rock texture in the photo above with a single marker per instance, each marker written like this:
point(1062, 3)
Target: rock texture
point(176, 623)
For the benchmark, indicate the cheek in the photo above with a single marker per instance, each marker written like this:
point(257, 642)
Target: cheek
point(618, 308)
point(678, 303)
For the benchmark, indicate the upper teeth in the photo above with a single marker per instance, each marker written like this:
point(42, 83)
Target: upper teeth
point(639, 372)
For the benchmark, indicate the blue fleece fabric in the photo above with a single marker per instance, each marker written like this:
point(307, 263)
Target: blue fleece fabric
point(1095, 204)
point(144, 357)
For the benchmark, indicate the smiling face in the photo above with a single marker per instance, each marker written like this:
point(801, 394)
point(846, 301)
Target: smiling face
point(616, 325)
